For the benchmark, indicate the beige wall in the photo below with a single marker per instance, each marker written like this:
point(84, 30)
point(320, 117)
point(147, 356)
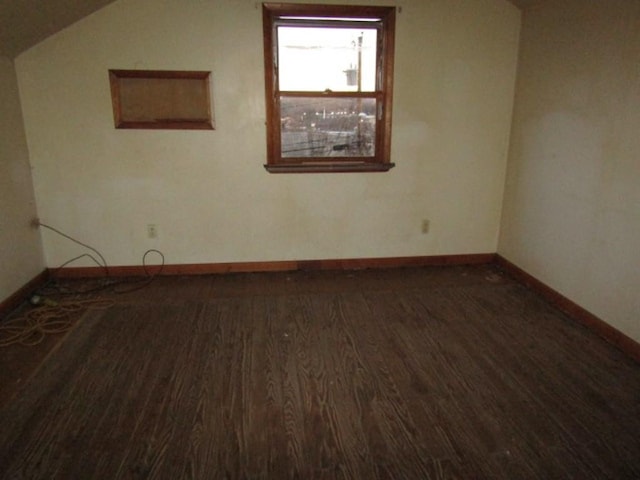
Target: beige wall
point(21, 256)
point(572, 203)
point(208, 193)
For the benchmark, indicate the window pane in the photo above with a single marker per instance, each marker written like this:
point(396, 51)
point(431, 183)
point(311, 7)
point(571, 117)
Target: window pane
point(317, 59)
point(328, 127)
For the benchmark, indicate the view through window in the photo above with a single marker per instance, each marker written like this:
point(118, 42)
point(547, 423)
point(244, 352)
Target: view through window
point(328, 72)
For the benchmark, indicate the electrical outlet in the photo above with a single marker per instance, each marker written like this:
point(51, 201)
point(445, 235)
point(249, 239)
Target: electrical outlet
point(152, 230)
point(425, 226)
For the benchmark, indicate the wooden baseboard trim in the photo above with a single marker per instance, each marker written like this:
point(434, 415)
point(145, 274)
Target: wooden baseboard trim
point(276, 266)
point(601, 328)
point(13, 301)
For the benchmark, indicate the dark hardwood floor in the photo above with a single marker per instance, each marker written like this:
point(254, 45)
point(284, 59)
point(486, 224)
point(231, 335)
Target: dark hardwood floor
point(417, 373)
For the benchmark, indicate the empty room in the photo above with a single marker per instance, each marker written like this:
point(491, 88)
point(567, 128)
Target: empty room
point(339, 239)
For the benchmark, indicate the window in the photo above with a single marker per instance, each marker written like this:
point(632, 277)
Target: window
point(328, 78)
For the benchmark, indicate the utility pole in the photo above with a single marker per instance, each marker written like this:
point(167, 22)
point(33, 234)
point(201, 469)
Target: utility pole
point(360, 62)
point(359, 103)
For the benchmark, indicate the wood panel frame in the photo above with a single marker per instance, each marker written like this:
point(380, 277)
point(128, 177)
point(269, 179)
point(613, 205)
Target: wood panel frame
point(161, 106)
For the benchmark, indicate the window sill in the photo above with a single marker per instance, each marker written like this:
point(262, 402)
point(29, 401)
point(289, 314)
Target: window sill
point(321, 167)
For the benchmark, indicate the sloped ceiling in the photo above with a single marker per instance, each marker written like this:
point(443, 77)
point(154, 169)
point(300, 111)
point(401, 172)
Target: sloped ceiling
point(24, 23)
point(525, 4)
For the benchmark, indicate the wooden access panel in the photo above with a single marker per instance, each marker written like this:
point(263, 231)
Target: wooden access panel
point(161, 99)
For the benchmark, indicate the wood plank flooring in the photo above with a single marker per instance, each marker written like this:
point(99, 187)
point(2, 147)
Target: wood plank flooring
point(420, 373)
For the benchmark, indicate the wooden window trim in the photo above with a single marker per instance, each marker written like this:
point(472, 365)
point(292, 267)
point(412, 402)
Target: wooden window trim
point(275, 14)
